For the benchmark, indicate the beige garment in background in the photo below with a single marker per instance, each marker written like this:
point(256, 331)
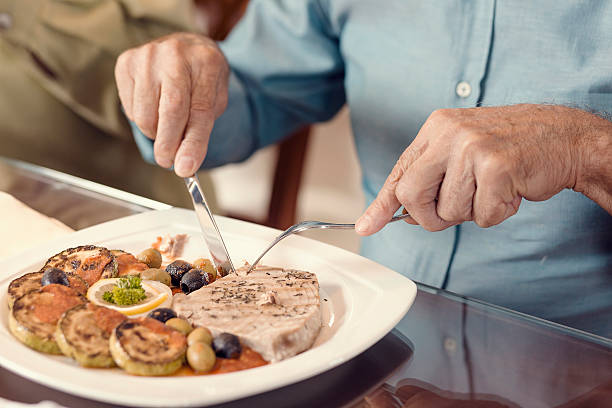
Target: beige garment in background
point(58, 101)
point(27, 227)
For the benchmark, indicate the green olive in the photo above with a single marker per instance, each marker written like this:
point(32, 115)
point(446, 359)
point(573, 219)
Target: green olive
point(180, 324)
point(151, 257)
point(200, 335)
point(157, 275)
point(201, 357)
point(205, 265)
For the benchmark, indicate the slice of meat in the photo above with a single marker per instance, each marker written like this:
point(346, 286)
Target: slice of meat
point(127, 264)
point(275, 312)
point(83, 333)
point(90, 262)
point(34, 316)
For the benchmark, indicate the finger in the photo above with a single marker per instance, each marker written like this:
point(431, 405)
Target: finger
point(417, 191)
point(409, 219)
point(125, 82)
point(174, 104)
point(495, 199)
point(456, 195)
point(145, 98)
point(380, 211)
point(192, 150)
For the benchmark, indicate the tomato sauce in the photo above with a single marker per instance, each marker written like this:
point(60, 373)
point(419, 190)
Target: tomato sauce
point(249, 358)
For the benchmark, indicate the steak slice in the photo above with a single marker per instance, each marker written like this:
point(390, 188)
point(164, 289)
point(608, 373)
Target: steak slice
point(275, 312)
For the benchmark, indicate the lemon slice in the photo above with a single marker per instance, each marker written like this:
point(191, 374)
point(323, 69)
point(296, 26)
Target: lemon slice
point(158, 295)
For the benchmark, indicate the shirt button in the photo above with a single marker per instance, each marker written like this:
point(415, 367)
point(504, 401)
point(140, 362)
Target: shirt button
point(5, 21)
point(450, 345)
point(463, 89)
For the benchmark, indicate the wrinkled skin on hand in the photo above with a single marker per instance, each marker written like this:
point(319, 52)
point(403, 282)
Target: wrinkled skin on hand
point(174, 89)
point(478, 164)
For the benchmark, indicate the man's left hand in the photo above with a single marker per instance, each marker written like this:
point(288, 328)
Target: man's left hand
point(478, 164)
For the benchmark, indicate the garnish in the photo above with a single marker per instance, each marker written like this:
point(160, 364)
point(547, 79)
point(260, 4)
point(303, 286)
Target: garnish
point(127, 291)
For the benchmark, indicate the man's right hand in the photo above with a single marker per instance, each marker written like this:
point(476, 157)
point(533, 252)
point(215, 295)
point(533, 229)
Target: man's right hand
point(174, 89)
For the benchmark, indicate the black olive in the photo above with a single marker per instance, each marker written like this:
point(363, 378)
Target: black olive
point(194, 280)
point(227, 345)
point(162, 314)
point(54, 275)
point(176, 270)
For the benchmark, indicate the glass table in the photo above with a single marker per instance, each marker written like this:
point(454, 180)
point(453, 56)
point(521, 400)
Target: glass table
point(448, 351)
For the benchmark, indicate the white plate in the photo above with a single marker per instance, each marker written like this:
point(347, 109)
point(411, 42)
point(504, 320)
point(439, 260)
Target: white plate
point(364, 302)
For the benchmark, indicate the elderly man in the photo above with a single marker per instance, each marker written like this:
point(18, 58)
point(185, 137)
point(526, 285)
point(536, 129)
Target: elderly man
point(497, 106)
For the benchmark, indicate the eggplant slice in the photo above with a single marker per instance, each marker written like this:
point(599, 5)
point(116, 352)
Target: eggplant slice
point(90, 262)
point(34, 316)
point(83, 333)
point(146, 346)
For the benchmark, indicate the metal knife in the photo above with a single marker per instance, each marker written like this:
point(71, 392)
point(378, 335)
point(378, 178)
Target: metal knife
point(212, 236)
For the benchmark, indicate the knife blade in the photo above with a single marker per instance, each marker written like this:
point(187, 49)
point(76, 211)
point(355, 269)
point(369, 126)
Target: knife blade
point(210, 231)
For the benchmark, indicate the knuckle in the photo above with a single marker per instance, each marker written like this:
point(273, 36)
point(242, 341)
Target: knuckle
point(491, 166)
point(405, 194)
point(173, 104)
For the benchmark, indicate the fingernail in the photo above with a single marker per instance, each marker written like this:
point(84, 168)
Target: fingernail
point(362, 225)
point(185, 166)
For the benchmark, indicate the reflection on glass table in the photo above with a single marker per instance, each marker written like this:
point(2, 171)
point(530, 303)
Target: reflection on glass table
point(448, 351)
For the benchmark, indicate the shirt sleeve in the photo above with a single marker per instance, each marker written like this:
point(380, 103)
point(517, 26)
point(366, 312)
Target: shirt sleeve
point(286, 72)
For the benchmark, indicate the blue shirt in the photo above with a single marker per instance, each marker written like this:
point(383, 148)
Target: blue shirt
point(394, 62)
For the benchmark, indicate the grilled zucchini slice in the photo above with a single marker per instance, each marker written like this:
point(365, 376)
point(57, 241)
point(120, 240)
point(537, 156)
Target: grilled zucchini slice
point(146, 346)
point(34, 316)
point(32, 281)
point(90, 262)
point(83, 333)
point(22, 285)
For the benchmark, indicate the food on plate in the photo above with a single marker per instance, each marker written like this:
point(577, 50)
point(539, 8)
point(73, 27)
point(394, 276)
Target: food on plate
point(171, 246)
point(90, 303)
point(126, 291)
point(34, 316)
point(127, 264)
point(119, 293)
point(201, 357)
point(194, 280)
point(90, 262)
point(227, 345)
point(163, 314)
point(205, 265)
point(177, 269)
point(146, 346)
point(156, 274)
point(54, 275)
point(274, 311)
point(200, 335)
point(83, 333)
point(151, 257)
point(33, 281)
point(181, 325)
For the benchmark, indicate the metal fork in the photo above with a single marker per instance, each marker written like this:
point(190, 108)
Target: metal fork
point(306, 225)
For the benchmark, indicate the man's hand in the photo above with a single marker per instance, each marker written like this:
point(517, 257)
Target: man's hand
point(478, 164)
point(174, 89)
